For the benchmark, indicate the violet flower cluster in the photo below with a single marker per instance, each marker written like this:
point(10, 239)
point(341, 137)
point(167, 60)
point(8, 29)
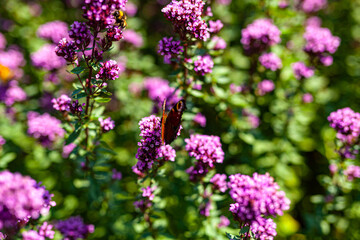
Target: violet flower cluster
point(170, 49)
point(265, 87)
point(219, 182)
point(320, 43)
point(45, 128)
point(347, 124)
point(352, 172)
point(186, 18)
point(150, 148)
point(147, 199)
point(200, 119)
point(74, 228)
point(257, 198)
point(106, 124)
point(109, 71)
point(2, 141)
point(259, 36)
point(301, 71)
point(62, 103)
point(203, 65)
point(21, 198)
point(159, 90)
point(270, 61)
point(12, 60)
point(207, 151)
point(11, 93)
point(53, 31)
point(311, 6)
point(47, 59)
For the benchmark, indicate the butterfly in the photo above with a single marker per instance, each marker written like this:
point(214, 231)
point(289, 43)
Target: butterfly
point(170, 123)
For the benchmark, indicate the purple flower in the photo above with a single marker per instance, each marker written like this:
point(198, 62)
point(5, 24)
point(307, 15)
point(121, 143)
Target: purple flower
point(14, 60)
point(263, 228)
point(167, 153)
point(114, 33)
point(32, 235)
point(74, 228)
point(259, 36)
point(270, 61)
point(148, 196)
point(205, 207)
point(109, 71)
point(116, 175)
point(215, 26)
point(133, 38)
point(347, 124)
point(253, 120)
point(81, 34)
point(46, 58)
point(203, 65)
point(159, 90)
point(320, 43)
point(99, 13)
point(131, 9)
point(11, 93)
point(62, 103)
point(44, 128)
point(2, 41)
point(207, 151)
point(219, 182)
point(224, 222)
point(310, 6)
point(150, 145)
point(67, 149)
point(106, 124)
point(148, 192)
point(307, 98)
point(169, 48)
point(302, 71)
point(2, 141)
point(219, 43)
point(67, 50)
point(200, 119)
point(352, 172)
point(265, 87)
point(21, 198)
point(46, 230)
point(185, 15)
point(255, 197)
point(53, 31)
point(235, 89)
point(333, 168)
point(313, 21)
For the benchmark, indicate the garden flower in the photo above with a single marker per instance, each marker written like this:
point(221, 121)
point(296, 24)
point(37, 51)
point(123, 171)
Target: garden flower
point(106, 124)
point(259, 36)
point(148, 197)
point(203, 65)
point(200, 119)
point(186, 17)
point(207, 151)
point(301, 71)
point(347, 124)
point(169, 48)
point(219, 182)
point(307, 98)
point(11, 93)
point(32, 235)
point(67, 149)
point(310, 6)
point(74, 228)
point(46, 231)
point(109, 71)
point(2, 141)
point(116, 175)
point(133, 38)
point(81, 34)
point(2, 41)
point(219, 43)
point(352, 172)
point(67, 50)
point(62, 103)
point(224, 222)
point(114, 33)
point(53, 31)
point(215, 26)
point(21, 198)
point(44, 128)
point(13, 59)
point(46, 58)
point(265, 87)
point(270, 61)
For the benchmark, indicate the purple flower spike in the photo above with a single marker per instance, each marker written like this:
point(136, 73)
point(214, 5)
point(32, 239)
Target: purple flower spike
point(265, 87)
point(219, 181)
point(62, 103)
point(74, 228)
point(203, 65)
point(169, 48)
point(81, 34)
point(54, 31)
point(302, 71)
point(66, 49)
point(347, 124)
point(270, 61)
point(109, 71)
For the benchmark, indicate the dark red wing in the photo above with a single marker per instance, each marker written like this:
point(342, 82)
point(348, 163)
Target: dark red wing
point(173, 121)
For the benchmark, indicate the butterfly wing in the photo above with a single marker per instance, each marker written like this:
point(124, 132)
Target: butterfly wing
point(163, 121)
point(172, 122)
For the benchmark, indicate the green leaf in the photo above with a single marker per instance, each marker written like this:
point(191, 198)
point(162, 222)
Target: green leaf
point(80, 95)
point(6, 159)
point(77, 91)
point(102, 100)
point(78, 70)
point(73, 136)
point(196, 93)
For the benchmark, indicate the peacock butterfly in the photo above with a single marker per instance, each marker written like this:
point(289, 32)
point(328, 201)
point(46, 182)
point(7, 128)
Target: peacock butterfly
point(170, 123)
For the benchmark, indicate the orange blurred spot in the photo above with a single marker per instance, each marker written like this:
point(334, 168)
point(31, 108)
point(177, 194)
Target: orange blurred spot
point(5, 73)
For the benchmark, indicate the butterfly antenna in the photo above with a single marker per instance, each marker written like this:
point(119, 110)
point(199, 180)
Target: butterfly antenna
point(164, 106)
